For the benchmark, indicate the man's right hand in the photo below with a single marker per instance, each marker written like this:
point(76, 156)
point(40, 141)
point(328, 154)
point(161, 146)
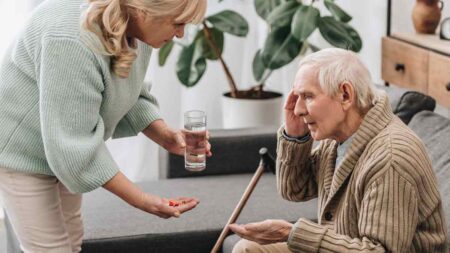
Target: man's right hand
point(295, 125)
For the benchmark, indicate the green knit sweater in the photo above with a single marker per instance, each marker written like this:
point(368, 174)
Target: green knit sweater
point(60, 101)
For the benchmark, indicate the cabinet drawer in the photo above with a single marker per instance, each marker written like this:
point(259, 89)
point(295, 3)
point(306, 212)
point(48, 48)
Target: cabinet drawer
point(439, 78)
point(404, 65)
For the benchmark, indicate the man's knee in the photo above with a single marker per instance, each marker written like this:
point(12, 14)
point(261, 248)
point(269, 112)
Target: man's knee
point(244, 246)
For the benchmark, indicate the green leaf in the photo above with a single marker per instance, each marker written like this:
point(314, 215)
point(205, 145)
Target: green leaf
point(337, 12)
point(339, 34)
point(264, 7)
point(206, 50)
point(164, 53)
point(191, 65)
point(282, 14)
point(258, 66)
point(280, 48)
point(230, 22)
point(305, 22)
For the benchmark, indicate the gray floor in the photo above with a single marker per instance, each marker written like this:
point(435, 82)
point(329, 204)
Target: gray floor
point(2, 236)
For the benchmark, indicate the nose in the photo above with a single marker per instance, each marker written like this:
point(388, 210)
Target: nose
point(179, 33)
point(300, 108)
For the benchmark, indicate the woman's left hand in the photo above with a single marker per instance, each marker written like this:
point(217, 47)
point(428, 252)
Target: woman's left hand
point(175, 143)
point(172, 140)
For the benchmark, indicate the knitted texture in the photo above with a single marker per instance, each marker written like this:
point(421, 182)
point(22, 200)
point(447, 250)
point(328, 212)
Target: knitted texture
point(60, 101)
point(383, 197)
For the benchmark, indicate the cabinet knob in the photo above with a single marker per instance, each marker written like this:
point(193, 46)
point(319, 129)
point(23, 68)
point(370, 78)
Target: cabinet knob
point(448, 86)
point(400, 67)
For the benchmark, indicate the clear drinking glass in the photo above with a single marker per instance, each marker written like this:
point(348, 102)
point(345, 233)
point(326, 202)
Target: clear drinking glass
point(195, 154)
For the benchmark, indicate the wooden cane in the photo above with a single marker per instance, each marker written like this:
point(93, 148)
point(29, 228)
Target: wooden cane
point(265, 162)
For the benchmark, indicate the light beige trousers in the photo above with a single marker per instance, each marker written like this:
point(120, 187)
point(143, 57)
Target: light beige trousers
point(45, 216)
point(246, 246)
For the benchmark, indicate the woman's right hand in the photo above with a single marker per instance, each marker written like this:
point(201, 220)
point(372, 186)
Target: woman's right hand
point(121, 186)
point(164, 208)
point(295, 125)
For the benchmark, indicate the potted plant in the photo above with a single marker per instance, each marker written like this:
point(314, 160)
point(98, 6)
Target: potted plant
point(290, 22)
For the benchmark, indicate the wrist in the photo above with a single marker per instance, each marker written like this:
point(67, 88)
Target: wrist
point(301, 139)
point(140, 201)
point(294, 133)
point(122, 187)
point(287, 231)
point(158, 131)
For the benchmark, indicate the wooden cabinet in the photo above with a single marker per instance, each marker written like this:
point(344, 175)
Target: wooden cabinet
point(418, 62)
point(439, 78)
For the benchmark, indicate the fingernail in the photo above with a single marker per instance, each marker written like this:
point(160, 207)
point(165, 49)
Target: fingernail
point(177, 214)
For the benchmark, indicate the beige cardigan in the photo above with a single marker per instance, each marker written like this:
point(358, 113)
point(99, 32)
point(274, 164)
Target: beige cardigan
point(382, 198)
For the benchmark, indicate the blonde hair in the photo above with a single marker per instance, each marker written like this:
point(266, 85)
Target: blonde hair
point(108, 20)
point(335, 66)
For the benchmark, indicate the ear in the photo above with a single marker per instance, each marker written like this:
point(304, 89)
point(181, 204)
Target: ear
point(346, 95)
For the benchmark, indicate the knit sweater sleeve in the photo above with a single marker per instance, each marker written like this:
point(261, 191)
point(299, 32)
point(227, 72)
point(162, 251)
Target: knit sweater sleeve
point(70, 86)
point(387, 221)
point(296, 175)
point(142, 114)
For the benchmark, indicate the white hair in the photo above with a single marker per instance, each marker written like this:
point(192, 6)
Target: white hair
point(335, 66)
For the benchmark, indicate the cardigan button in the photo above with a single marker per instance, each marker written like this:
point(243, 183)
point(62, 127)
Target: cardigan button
point(328, 216)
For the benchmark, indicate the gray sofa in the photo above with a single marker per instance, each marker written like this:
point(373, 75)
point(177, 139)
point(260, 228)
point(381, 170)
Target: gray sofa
point(113, 226)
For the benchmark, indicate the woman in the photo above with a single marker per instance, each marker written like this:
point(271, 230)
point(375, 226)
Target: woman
point(71, 80)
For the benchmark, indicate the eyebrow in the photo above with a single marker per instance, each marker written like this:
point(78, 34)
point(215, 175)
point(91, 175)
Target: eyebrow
point(302, 92)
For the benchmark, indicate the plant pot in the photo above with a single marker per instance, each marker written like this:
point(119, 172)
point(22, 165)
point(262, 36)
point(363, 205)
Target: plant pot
point(426, 15)
point(251, 112)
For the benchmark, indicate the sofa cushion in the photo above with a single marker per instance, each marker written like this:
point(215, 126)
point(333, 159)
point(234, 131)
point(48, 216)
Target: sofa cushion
point(113, 226)
point(229, 243)
point(394, 93)
point(234, 151)
point(411, 103)
point(434, 130)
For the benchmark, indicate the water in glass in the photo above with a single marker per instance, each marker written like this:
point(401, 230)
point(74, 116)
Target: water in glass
point(195, 157)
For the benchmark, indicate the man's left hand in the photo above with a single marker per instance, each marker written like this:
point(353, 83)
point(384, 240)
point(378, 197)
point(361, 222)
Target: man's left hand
point(265, 232)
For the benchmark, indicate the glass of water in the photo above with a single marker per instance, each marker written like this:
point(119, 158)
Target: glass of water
point(195, 131)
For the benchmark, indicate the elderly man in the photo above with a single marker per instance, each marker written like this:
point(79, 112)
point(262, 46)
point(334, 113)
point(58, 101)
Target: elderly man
point(381, 197)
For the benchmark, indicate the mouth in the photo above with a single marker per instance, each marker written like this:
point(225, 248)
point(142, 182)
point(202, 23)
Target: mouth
point(310, 124)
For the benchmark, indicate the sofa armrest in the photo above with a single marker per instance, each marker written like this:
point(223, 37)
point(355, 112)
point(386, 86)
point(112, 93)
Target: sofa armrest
point(234, 151)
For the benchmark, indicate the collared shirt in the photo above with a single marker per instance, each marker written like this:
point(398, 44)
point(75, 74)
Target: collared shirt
point(341, 150)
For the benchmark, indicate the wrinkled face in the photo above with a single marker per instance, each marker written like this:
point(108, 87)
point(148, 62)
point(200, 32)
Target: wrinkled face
point(156, 31)
point(323, 114)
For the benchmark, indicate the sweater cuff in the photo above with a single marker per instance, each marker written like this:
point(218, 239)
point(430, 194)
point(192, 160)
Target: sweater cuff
point(142, 115)
point(306, 236)
point(301, 139)
point(292, 151)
